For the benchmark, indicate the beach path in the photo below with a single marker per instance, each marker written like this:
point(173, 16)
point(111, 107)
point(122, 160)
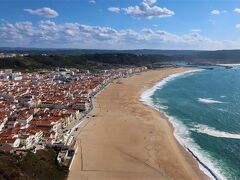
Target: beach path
point(127, 140)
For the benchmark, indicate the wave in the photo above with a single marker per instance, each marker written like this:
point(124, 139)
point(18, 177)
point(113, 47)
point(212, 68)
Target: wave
point(213, 132)
point(209, 101)
point(181, 132)
point(146, 95)
point(223, 110)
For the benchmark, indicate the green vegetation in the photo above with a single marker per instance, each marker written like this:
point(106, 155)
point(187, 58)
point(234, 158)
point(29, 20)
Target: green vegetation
point(9, 168)
point(41, 166)
point(90, 61)
point(95, 60)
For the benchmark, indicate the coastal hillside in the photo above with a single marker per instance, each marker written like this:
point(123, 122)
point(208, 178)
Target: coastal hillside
point(88, 61)
point(41, 166)
point(104, 59)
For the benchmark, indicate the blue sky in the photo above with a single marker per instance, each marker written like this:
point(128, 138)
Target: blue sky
point(121, 24)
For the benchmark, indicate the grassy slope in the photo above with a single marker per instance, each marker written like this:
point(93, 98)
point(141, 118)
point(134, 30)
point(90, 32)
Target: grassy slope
point(41, 165)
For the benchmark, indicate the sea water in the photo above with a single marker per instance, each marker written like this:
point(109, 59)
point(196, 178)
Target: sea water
point(204, 108)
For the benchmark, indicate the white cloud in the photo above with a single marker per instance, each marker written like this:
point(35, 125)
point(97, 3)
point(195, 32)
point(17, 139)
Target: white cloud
point(215, 12)
point(196, 30)
point(147, 10)
point(150, 2)
point(2, 19)
point(237, 26)
point(114, 9)
point(237, 10)
point(74, 35)
point(44, 12)
point(92, 1)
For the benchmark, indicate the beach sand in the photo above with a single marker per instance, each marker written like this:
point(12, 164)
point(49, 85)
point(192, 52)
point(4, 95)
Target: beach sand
point(128, 140)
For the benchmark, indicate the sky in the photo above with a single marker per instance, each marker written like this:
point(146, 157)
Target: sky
point(121, 24)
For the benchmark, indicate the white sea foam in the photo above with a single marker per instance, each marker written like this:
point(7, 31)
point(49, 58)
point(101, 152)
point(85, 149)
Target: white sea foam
point(146, 95)
point(200, 128)
point(209, 101)
point(181, 132)
point(223, 110)
point(222, 96)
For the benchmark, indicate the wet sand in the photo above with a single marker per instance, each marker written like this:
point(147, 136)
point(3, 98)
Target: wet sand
point(128, 140)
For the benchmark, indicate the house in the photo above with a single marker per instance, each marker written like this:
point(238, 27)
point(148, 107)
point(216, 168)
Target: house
point(24, 117)
point(30, 137)
point(11, 140)
point(11, 124)
point(3, 120)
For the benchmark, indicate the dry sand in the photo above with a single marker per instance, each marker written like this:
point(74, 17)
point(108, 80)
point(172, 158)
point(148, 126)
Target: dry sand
point(127, 140)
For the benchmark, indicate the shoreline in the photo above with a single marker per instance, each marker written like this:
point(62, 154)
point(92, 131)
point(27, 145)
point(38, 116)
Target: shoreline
point(145, 98)
point(154, 149)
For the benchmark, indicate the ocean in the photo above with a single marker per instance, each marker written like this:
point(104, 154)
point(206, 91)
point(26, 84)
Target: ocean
point(204, 108)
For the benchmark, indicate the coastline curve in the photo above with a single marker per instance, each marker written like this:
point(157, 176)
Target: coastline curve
point(180, 131)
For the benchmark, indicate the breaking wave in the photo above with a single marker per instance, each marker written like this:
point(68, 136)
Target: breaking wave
point(181, 132)
point(213, 132)
point(209, 101)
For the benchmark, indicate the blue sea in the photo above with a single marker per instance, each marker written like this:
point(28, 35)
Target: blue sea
point(204, 108)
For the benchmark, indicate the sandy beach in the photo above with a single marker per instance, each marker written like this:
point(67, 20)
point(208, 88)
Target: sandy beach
point(128, 140)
